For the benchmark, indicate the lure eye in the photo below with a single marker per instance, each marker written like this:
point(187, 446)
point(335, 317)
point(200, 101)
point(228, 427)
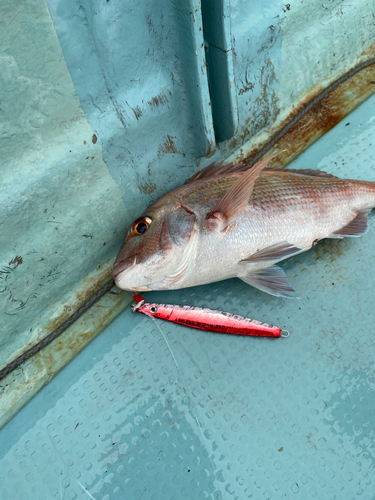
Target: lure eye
point(153, 309)
point(141, 225)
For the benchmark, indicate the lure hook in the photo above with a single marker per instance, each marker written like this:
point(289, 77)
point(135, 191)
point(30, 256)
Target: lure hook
point(135, 307)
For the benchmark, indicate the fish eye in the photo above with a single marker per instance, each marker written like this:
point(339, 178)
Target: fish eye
point(141, 225)
point(153, 309)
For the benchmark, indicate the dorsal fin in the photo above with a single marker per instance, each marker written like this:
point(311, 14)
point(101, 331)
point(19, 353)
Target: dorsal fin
point(235, 199)
point(228, 168)
point(218, 169)
point(303, 171)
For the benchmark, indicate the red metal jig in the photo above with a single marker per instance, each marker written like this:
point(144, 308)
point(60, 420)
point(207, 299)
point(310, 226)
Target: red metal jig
point(207, 319)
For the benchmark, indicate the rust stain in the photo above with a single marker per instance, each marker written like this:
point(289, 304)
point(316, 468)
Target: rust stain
point(210, 147)
point(61, 351)
point(267, 110)
point(168, 146)
point(328, 249)
point(328, 252)
point(90, 286)
point(94, 139)
point(21, 385)
point(16, 261)
point(321, 118)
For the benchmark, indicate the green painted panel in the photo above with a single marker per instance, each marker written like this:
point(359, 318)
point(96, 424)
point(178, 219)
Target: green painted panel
point(218, 417)
point(139, 71)
point(62, 215)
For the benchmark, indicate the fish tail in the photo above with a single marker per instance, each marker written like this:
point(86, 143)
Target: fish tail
point(366, 192)
point(362, 194)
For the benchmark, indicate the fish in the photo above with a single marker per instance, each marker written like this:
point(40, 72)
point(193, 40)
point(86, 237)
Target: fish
point(232, 221)
point(207, 319)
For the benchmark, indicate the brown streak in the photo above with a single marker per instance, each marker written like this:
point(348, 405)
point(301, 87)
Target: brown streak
point(322, 117)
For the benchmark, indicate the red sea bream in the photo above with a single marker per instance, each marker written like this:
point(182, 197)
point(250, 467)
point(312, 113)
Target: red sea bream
point(236, 221)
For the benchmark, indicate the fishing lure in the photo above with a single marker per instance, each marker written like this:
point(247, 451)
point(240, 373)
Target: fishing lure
point(207, 319)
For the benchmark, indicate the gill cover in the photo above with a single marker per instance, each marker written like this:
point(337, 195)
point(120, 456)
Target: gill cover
point(178, 230)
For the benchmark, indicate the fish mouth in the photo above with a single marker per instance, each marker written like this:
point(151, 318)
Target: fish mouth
point(143, 288)
point(123, 265)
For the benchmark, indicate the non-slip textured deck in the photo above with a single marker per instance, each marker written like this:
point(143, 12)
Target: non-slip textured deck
point(179, 413)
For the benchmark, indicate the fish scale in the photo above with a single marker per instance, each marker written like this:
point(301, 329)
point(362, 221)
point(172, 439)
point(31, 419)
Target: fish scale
point(240, 224)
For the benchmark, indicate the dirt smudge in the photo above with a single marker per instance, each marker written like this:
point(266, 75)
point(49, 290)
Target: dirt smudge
point(321, 118)
point(16, 261)
point(158, 100)
point(148, 187)
point(168, 145)
point(137, 112)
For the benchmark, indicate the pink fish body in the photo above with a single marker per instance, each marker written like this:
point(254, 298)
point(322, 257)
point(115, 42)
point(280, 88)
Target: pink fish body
point(232, 221)
point(207, 319)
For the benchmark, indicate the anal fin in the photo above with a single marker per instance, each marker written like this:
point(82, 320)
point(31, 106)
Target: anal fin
point(271, 280)
point(274, 252)
point(355, 228)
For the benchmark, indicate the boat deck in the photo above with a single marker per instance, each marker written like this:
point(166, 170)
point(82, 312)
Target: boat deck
point(172, 413)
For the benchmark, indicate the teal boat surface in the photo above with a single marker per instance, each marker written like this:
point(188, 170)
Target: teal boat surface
point(107, 106)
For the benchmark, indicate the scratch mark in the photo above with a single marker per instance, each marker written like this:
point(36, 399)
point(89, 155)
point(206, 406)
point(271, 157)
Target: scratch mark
point(247, 87)
point(137, 112)
point(192, 410)
point(85, 490)
point(63, 461)
point(22, 305)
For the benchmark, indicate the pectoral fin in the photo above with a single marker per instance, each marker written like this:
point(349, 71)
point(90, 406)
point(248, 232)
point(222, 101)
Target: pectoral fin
point(237, 197)
point(274, 252)
point(271, 280)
